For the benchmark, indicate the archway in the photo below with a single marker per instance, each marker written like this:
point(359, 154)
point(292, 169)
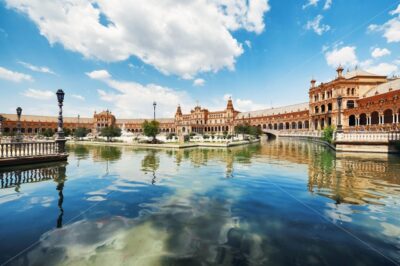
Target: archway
point(299, 125)
point(363, 119)
point(388, 116)
point(374, 118)
point(352, 120)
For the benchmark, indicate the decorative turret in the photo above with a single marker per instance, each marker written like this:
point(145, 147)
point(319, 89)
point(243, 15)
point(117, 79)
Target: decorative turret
point(313, 81)
point(229, 106)
point(339, 71)
point(178, 111)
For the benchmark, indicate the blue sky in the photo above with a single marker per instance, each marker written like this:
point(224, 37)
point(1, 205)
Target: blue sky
point(123, 55)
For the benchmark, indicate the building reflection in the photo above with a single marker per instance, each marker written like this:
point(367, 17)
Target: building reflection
point(151, 163)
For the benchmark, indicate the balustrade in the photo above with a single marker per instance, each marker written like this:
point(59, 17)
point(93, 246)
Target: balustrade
point(27, 149)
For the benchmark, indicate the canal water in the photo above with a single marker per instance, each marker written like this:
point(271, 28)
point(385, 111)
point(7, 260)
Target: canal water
point(283, 202)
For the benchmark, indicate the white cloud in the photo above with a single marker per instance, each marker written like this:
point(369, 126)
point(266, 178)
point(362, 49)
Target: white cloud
point(13, 76)
point(198, 82)
point(396, 11)
point(39, 94)
point(176, 37)
point(390, 29)
point(345, 56)
point(99, 74)
point(41, 69)
point(133, 99)
point(328, 4)
point(379, 52)
point(310, 3)
point(316, 25)
point(248, 43)
point(383, 69)
point(243, 105)
point(78, 97)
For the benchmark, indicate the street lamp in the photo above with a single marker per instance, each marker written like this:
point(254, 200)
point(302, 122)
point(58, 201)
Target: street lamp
point(60, 139)
point(339, 124)
point(1, 127)
point(19, 112)
point(154, 107)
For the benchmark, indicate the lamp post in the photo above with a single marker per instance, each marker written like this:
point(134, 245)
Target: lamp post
point(1, 127)
point(19, 137)
point(60, 139)
point(154, 107)
point(339, 124)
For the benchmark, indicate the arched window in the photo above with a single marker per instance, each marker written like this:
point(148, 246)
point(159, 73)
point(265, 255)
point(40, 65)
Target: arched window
point(350, 104)
point(374, 118)
point(316, 109)
point(388, 116)
point(299, 125)
point(322, 108)
point(352, 120)
point(363, 119)
point(264, 126)
point(329, 106)
point(287, 125)
point(293, 125)
point(353, 91)
point(280, 126)
point(276, 126)
point(348, 91)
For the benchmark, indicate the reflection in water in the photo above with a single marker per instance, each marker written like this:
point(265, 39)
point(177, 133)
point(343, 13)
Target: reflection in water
point(217, 207)
point(17, 176)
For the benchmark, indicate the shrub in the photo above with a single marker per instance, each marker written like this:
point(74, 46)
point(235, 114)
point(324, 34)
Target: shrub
point(328, 134)
point(186, 138)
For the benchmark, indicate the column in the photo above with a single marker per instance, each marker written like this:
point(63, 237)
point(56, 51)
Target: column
point(397, 118)
point(394, 119)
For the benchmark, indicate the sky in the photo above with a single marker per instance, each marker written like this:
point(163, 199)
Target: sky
point(123, 55)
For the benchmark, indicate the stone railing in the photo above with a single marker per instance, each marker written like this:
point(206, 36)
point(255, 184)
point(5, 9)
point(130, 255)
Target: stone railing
point(368, 136)
point(309, 134)
point(28, 149)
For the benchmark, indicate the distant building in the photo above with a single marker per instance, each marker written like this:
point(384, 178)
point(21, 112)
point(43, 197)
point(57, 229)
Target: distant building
point(369, 103)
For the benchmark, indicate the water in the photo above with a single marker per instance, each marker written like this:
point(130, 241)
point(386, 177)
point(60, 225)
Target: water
point(280, 203)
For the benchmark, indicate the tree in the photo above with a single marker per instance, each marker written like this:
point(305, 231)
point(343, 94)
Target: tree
point(81, 132)
point(110, 132)
point(48, 132)
point(67, 132)
point(151, 129)
point(248, 130)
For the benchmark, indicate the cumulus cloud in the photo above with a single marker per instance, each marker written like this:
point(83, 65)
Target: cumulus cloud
point(310, 3)
point(78, 97)
point(244, 105)
point(328, 4)
point(13, 76)
point(176, 37)
point(379, 52)
point(342, 56)
point(198, 82)
point(132, 99)
point(384, 69)
point(316, 25)
point(41, 69)
point(39, 94)
point(391, 28)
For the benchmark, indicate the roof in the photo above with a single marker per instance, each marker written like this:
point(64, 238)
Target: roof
point(358, 73)
point(37, 118)
point(383, 88)
point(137, 121)
point(275, 111)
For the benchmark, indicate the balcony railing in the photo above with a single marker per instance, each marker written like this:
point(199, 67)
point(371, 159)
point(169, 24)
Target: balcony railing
point(28, 149)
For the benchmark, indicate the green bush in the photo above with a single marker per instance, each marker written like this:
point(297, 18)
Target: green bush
point(171, 135)
point(328, 134)
point(186, 138)
point(206, 137)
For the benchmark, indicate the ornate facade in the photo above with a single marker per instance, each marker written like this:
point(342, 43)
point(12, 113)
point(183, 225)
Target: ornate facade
point(369, 103)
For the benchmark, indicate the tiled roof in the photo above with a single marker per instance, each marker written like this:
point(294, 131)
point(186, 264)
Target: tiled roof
point(383, 88)
point(275, 111)
point(36, 118)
